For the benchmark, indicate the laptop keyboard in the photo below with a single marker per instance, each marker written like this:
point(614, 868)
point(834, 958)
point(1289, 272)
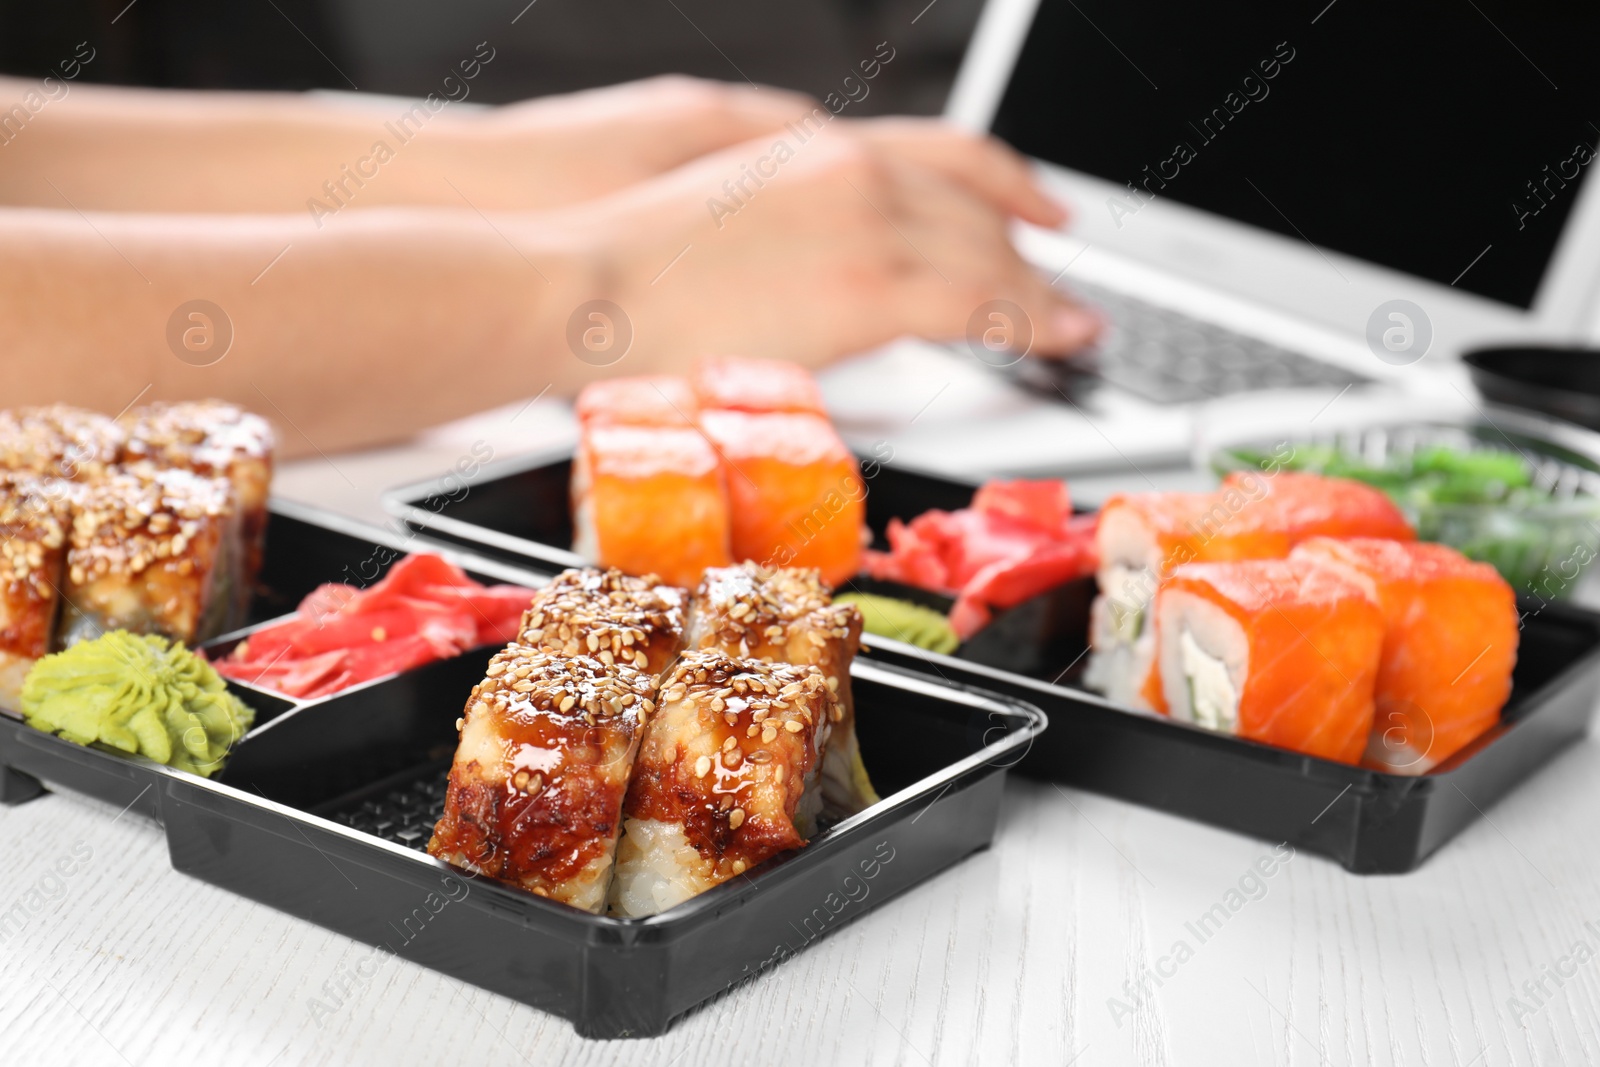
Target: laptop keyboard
point(1170, 358)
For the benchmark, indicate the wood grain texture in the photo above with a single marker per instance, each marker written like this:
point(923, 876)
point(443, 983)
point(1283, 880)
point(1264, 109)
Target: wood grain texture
point(1016, 956)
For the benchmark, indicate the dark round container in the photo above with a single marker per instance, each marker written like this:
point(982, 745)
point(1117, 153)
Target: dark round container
point(1563, 381)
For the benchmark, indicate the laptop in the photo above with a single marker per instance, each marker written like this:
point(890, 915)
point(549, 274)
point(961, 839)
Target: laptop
point(1288, 211)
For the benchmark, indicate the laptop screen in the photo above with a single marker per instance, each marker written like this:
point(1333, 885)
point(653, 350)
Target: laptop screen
point(1444, 140)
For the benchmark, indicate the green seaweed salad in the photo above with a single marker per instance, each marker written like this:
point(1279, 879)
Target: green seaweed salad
point(1485, 502)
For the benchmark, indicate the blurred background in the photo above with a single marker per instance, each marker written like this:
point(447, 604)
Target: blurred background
point(406, 47)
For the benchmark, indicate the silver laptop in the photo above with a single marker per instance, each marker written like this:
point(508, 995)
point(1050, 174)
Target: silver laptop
point(1274, 209)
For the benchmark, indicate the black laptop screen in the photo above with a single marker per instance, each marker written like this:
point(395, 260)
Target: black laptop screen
point(1446, 140)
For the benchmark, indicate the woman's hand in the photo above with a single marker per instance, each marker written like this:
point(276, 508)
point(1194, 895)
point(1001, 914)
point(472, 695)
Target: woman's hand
point(856, 236)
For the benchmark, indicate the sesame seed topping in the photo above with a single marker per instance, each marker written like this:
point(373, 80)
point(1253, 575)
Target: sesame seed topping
point(761, 611)
point(35, 514)
point(522, 679)
point(207, 436)
point(606, 613)
point(748, 690)
point(111, 524)
point(59, 441)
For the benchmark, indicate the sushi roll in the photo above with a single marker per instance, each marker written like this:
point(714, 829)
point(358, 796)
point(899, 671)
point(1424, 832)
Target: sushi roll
point(1140, 539)
point(536, 788)
point(216, 439)
point(34, 519)
point(796, 494)
point(648, 400)
point(1284, 652)
point(152, 551)
point(787, 615)
point(740, 383)
point(1313, 505)
point(1449, 645)
point(725, 778)
point(609, 615)
point(650, 500)
point(60, 441)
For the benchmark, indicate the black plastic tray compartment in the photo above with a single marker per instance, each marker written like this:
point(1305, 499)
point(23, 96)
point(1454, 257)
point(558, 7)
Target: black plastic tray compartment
point(279, 826)
point(306, 547)
point(1377, 823)
point(1368, 821)
point(522, 512)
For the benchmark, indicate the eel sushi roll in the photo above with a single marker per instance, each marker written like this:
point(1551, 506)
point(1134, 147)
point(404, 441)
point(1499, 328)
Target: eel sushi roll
point(1284, 652)
point(34, 519)
point(536, 788)
point(1141, 538)
point(740, 383)
point(1449, 645)
point(152, 551)
point(216, 439)
point(796, 494)
point(60, 441)
point(1313, 505)
point(611, 616)
point(787, 615)
point(725, 778)
point(647, 400)
point(649, 499)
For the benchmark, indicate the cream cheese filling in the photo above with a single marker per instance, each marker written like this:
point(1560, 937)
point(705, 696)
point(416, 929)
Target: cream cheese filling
point(1213, 701)
point(1126, 603)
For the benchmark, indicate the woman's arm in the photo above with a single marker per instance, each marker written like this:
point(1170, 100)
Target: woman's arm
point(388, 320)
point(97, 148)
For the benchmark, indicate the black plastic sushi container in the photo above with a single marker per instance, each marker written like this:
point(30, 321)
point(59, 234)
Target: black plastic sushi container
point(324, 809)
point(305, 548)
point(1368, 821)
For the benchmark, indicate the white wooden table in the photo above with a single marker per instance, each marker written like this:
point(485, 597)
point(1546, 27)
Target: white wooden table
point(1021, 954)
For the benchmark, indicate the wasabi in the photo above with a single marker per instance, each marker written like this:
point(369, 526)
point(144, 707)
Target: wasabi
point(138, 695)
point(902, 620)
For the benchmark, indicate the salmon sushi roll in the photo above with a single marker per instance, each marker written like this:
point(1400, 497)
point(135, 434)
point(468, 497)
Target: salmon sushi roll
point(1449, 645)
point(740, 383)
point(725, 779)
point(536, 787)
point(1284, 652)
point(35, 518)
point(1306, 505)
point(60, 441)
point(787, 615)
point(1140, 539)
point(614, 617)
point(650, 500)
point(795, 492)
point(152, 552)
point(647, 400)
point(216, 439)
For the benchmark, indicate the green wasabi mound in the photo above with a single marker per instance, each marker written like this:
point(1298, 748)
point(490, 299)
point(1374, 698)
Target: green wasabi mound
point(139, 695)
point(901, 620)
